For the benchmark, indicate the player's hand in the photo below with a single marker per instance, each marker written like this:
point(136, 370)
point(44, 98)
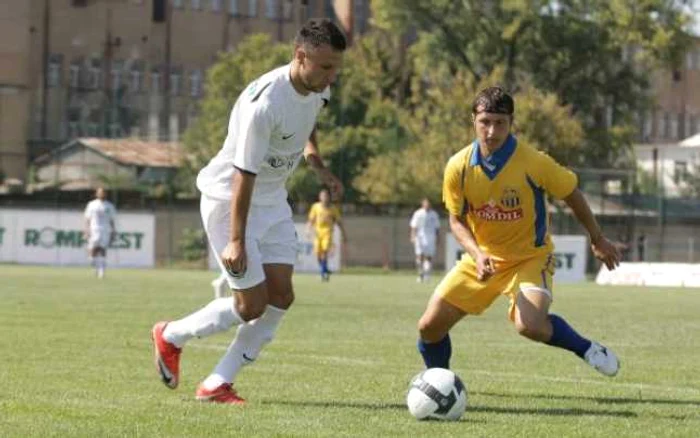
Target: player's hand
point(607, 252)
point(334, 185)
point(234, 259)
point(485, 267)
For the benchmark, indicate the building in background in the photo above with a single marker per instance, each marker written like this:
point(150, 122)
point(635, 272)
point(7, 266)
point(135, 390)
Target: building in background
point(124, 68)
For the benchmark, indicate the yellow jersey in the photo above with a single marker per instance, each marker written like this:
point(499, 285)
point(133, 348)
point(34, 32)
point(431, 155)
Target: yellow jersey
point(502, 198)
point(324, 218)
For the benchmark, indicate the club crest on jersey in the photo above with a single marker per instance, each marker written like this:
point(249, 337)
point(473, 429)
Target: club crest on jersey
point(493, 212)
point(510, 198)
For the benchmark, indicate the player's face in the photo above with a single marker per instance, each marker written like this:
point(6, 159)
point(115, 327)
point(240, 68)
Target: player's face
point(100, 194)
point(324, 197)
point(319, 66)
point(425, 204)
point(492, 129)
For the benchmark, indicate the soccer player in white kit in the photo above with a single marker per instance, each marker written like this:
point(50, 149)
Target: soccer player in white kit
point(245, 211)
point(425, 228)
point(99, 229)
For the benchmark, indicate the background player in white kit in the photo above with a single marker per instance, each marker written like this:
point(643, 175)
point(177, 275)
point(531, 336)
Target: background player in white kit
point(425, 229)
point(99, 229)
point(245, 211)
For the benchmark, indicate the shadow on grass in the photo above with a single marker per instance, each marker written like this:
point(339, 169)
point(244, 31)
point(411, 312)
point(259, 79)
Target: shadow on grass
point(488, 409)
point(601, 400)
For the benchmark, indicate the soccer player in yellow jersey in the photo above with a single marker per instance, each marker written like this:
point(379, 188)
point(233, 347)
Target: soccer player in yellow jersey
point(323, 216)
point(495, 191)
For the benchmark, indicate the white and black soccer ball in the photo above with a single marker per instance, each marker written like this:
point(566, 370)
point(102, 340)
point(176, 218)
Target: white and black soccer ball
point(438, 394)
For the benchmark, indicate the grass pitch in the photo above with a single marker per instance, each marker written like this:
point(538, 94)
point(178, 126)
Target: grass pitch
point(76, 360)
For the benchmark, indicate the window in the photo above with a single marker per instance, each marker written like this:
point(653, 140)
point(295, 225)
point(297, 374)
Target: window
point(674, 128)
point(252, 8)
point(233, 7)
point(288, 9)
point(116, 78)
point(666, 132)
point(79, 3)
point(91, 129)
point(94, 77)
point(135, 81)
point(215, 5)
point(115, 130)
point(155, 82)
point(680, 171)
point(174, 84)
point(53, 74)
point(271, 9)
point(646, 129)
point(196, 4)
point(195, 83)
point(178, 3)
point(73, 129)
point(74, 75)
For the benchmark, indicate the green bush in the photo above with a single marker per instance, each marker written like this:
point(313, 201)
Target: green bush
point(193, 244)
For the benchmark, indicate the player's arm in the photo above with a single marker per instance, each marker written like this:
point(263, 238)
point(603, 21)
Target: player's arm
point(603, 249)
point(233, 257)
point(311, 222)
point(313, 159)
point(343, 235)
point(464, 236)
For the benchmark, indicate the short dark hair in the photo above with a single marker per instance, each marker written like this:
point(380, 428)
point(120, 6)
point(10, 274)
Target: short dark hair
point(493, 100)
point(319, 31)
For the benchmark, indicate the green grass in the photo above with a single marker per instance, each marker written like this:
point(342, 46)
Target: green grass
point(76, 360)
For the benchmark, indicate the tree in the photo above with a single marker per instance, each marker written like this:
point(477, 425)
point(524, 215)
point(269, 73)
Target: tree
point(594, 55)
point(438, 124)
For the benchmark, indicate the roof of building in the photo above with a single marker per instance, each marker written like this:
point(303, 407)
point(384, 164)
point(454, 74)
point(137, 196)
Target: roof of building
point(129, 151)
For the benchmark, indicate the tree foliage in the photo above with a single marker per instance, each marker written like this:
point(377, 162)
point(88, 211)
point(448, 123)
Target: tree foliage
point(594, 55)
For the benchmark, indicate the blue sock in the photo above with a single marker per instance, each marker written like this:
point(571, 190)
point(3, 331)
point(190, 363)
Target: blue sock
point(437, 354)
point(564, 336)
point(324, 266)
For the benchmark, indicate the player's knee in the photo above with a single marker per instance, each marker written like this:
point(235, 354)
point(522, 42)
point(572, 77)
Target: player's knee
point(430, 331)
point(530, 329)
point(282, 301)
point(250, 310)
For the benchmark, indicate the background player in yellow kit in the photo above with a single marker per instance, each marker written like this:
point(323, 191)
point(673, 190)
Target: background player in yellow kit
point(495, 192)
point(323, 216)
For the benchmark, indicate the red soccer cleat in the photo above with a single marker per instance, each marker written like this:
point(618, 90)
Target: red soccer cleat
point(167, 356)
point(223, 393)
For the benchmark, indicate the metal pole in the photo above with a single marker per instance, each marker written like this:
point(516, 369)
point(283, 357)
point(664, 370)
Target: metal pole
point(45, 59)
point(166, 73)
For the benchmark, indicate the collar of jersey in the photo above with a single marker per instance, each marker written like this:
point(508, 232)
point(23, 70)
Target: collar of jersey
point(495, 162)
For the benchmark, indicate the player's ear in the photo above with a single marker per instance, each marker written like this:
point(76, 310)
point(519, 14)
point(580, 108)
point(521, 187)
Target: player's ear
point(299, 53)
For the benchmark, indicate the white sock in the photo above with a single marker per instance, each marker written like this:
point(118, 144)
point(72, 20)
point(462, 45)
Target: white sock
point(100, 264)
point(250, 339)
point(221, 287)
point(427, 267)
point(217, 316)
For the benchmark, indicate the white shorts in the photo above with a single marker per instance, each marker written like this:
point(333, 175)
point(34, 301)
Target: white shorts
point(98, 240)
point(270, 237)
point(425, 247)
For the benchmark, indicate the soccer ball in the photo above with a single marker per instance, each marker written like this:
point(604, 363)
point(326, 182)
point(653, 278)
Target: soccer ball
point(437, 393)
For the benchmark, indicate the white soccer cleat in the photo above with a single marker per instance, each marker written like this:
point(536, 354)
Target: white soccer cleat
point(602, 359)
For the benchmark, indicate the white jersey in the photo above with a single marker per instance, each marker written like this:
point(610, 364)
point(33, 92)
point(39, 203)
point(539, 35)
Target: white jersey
point(267, 132)
point(100, 214)
point(426, 223)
